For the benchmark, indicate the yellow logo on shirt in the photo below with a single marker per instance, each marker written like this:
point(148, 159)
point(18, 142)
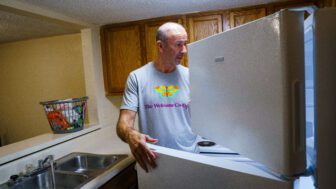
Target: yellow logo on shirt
point(167, 91)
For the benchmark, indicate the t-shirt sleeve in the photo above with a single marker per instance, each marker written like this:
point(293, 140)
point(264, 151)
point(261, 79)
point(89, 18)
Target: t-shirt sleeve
point(131, 96)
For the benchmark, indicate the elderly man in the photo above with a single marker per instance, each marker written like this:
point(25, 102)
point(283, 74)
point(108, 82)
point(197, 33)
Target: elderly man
point(159, 92)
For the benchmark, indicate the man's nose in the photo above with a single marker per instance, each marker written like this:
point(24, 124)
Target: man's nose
point(184, 49)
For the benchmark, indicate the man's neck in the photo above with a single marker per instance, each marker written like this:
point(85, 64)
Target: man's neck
point(164, 67)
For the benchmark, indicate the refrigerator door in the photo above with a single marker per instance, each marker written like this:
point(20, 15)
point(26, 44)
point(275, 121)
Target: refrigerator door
point(247, 90)
point(324, 28)
point(184, 170)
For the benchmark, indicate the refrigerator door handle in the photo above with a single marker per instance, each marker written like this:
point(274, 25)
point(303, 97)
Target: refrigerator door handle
point(298, 97)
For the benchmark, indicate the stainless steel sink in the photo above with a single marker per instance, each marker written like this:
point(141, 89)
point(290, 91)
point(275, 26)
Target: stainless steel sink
point(44, 181)
point(88, 164)
point(71, 171)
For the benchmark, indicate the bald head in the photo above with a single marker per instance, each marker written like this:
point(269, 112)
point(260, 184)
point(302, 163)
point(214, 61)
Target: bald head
point(171, 39)
point(164, 30)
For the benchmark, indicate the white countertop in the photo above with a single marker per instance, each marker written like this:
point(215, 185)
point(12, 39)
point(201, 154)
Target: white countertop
point(95, 139)
point(25, 147)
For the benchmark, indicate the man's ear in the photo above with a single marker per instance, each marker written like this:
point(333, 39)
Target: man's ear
point(159, 45)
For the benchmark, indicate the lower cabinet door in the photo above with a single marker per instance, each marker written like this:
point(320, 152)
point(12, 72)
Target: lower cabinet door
point(127, 179)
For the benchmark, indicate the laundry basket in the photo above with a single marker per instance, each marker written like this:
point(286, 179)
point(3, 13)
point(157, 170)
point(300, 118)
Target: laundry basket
point(66, 116)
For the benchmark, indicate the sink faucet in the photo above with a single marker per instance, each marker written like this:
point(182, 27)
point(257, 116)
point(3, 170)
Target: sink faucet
point(43, 166)
point(49, 159)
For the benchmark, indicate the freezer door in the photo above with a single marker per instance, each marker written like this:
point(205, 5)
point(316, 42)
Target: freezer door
point(247, 90)
point(184, 170)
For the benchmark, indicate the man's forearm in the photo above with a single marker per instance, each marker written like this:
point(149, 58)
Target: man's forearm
point(136, 141)
point(123, 131)
point(125, 124)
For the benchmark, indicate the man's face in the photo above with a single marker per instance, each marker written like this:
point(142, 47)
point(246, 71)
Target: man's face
point(175, 47)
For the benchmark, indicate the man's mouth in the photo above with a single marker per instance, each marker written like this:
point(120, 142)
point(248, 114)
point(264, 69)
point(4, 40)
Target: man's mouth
point(180, 57)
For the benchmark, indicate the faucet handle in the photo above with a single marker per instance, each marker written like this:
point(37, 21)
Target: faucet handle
point(14, 177)
point(51, 157)
point(40, 163)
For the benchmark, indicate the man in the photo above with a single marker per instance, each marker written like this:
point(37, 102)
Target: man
point(159, 92)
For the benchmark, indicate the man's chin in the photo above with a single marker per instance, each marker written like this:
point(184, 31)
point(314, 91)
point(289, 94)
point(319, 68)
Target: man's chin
point(178, 61)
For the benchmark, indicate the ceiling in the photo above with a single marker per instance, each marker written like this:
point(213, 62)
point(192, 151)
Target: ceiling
point(27, 19)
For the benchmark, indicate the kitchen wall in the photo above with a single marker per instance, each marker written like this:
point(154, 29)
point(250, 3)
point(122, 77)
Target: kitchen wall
point(33, 71)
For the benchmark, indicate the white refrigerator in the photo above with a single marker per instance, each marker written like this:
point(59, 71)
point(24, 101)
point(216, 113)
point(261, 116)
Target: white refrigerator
point(265, 93)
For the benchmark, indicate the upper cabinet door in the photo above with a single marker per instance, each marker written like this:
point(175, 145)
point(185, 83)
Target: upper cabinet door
point(332, 3)
point(204, 26)
point(247, 87)
point(150, 36)
point(238, 18)
point(121, 54)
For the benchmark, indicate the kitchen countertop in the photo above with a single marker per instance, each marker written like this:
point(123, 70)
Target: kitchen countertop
point(25, 147)
point(97, 140)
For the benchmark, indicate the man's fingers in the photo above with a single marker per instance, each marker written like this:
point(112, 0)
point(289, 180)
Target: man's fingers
point(151, 160)
point(150, 156)
point(143, 155)
point(151, 153)
point(141, 161)
point(155, 154)
point(150, 139)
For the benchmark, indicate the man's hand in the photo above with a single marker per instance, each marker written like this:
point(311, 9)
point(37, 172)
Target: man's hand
point(136, 140)
point(143, 155)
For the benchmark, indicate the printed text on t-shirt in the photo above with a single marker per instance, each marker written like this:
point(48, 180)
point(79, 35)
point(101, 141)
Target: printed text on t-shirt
point(174, 105)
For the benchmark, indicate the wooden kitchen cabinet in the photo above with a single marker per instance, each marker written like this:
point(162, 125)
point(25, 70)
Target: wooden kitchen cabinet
point(239, 17)
point(126, 179)
point(121, 50)
point(128, 46)
point(331, 3)
point(200, 27)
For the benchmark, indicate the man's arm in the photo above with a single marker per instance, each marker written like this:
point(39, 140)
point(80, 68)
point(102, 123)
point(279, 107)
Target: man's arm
point(136, 140)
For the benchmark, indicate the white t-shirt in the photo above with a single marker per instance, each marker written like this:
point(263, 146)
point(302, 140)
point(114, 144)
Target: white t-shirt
point(162, 101)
